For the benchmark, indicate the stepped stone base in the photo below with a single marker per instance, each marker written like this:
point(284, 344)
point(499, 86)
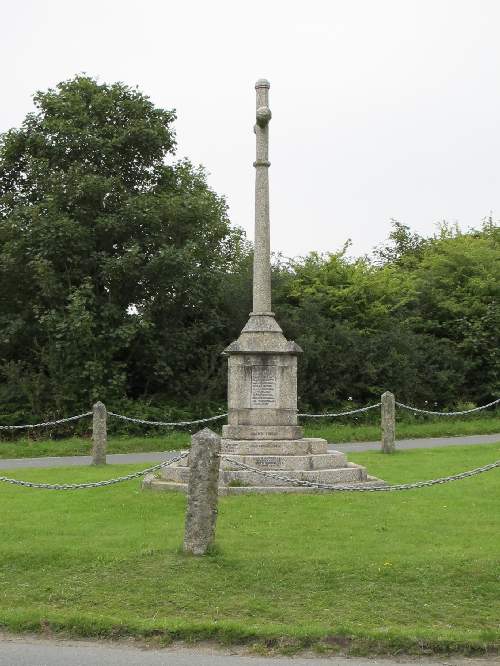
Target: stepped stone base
point(303, 459)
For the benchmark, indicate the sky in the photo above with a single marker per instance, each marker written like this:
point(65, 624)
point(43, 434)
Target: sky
point(381, 108)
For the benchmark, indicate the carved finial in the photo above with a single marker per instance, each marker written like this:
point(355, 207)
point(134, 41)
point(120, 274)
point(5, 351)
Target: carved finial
point(262, 83)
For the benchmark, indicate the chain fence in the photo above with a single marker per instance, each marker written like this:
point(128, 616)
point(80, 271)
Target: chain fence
point(46, 424)
point(428, 411)
point(352, 487)
point(363, 488)
point(332, 414)
point(217, 417)
point(165, 423)
point(93, 484)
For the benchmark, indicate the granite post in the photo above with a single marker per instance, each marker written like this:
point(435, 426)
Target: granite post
point(388, 422)
point(202, 492)
point(99, 434)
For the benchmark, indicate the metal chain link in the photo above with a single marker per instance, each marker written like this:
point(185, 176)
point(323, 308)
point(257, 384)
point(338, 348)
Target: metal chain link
point(427, 411)
point(47, 423)
point(163, 423)
point(221, 416)
point(95, 484)
point(352, 411)
point(363, 488)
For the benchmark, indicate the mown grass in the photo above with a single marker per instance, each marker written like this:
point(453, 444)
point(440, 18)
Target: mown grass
point(414, 571)
point(330, 430)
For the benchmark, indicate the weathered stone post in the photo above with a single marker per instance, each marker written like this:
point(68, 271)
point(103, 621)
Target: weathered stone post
point(99, 434)
point(388, 422)
point(201, 514)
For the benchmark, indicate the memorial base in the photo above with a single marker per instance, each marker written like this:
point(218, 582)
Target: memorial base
point(306, 459)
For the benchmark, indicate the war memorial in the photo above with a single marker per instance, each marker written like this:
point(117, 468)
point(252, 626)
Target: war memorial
point(262, 430)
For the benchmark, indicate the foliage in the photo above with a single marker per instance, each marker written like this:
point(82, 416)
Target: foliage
point(424, 323)
point(111, 259)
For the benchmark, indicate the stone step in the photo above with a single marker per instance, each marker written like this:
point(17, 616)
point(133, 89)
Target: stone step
point(294, 447)
point(262, 432)
point(315, 461)
point(351, 473)
point(153, 483)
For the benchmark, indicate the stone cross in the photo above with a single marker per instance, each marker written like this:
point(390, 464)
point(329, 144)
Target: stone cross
point(262, 252)
point(262, 364)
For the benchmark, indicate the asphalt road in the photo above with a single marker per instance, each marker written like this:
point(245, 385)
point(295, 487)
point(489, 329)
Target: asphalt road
point(426, 443)
point(33, 651)
point(117, 458)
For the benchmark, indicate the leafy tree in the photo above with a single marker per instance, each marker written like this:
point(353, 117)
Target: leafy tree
point(404, 247)
point(458, 282)
point(111, 258)
point(423, 323)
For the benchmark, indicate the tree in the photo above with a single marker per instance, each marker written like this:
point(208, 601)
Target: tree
point(111, 259)
point(458, 283)
point(423, 323)
point(404, 247)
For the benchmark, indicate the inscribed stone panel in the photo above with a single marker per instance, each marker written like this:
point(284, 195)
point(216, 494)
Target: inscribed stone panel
point(263, 392)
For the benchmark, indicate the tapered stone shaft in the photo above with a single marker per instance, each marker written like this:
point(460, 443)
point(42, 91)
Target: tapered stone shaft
point(262, 251)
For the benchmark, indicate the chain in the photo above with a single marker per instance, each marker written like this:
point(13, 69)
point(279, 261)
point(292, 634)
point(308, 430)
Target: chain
point(47, 423)
point(363, 488)
point(353, 411)
point(95, 484)
point(466, 411)
point(163, 423)
point(221, 416)
point(118, 416)
point(272, 475)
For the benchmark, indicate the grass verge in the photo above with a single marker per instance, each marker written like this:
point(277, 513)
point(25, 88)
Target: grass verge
point(332, 431)
point(82, 446)
point(414, 572)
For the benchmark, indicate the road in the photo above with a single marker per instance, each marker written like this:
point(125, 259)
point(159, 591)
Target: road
point(33, 651)
point(426, 443)
point(120, 458)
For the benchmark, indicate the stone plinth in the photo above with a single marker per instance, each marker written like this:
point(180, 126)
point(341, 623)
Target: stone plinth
point(262, 383)
point(304, 459)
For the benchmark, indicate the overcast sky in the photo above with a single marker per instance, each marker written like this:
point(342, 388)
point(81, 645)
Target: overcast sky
point(381, 108)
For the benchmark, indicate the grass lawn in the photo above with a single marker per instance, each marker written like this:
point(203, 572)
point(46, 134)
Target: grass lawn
point(412, 571)
point(331, 430)
point(82, 446)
